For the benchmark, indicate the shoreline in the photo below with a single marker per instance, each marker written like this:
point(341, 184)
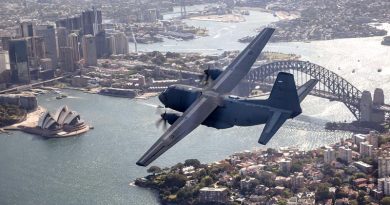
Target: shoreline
point(226, 18)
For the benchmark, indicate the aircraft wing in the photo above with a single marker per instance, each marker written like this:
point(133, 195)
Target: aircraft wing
point(191, 118)
point(241, 65)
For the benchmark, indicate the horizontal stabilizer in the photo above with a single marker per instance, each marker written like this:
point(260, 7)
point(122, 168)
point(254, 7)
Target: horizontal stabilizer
point(273, 124)
point(305, 89)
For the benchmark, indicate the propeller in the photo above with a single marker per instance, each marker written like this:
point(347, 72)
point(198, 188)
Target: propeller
point(162, 121)
point(206, 76)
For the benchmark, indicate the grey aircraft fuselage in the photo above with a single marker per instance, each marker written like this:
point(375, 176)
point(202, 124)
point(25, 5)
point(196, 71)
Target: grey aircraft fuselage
point(234, 111)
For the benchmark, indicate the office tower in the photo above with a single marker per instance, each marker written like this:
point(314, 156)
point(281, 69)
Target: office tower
point(4, 61)
point(110, 44)
point(91, 21)
point(49, 35)
point(121, 43)
point(101, 44)
point(35, 50)
point(62, 36)
point(5, 42)
point(329, 155)
point(67, 61)
point(89, 50)
point(18, 56)
point(27, 29)
point(73, 42)
point(71, 24)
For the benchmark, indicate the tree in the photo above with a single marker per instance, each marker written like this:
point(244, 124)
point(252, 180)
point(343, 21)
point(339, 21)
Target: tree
point(336, 181)
point(361, 199)
point(154, 170)
point(192, 162)
point(175, 180)
point(322, 191)
point(207, 181)
point(385, 201)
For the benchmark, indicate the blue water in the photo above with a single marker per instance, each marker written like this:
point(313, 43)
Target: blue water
point(97, 167)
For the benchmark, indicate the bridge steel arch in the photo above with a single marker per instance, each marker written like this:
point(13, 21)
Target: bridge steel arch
point(334, 87)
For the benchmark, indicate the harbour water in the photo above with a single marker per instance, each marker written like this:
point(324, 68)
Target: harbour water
point(97, 167)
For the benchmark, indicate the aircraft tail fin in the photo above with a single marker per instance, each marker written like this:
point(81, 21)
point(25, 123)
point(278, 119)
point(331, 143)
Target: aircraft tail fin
point(284, 94)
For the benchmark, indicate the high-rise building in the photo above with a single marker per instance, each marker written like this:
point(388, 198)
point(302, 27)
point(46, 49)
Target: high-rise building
point(365, 149)
point(101, 44)
point(62, 37)
point(117, 43)
point(5, 42)
point(73, 42)
point(4, 61)
point(384, 185)
point(18, 56)
point(358, 138)
point(89, 50)
point(49, 35)
point(384, 165)
point(121, 43)
point(91, 21)
point(285, 165)
point(373, 138)
point(71, 24)
point(297, 180)
point(67, 61)
point(345, 154)
point(36, 50)
point(329, 155)
point(27, 29)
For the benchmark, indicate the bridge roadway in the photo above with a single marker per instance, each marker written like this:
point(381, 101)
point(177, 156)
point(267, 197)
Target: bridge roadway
point(29, 86)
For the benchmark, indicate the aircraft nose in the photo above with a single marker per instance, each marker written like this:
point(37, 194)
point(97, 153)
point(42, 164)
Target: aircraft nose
point(163, 98)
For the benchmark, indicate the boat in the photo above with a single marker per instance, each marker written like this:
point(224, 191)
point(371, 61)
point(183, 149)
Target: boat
point(61, 96)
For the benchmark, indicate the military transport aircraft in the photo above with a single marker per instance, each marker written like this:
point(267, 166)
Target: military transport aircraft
point(213, 107)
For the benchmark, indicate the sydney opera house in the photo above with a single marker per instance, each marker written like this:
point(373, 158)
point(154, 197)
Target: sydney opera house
point(63, 123)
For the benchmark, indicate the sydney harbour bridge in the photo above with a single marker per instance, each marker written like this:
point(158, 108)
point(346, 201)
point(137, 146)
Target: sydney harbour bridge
point(330, 86)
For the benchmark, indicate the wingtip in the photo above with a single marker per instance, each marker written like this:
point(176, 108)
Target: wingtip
point(140, 164)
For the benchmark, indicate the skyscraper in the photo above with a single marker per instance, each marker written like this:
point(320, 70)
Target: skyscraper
point(67, 61)
point(73, 42)
point(4, 61)
point(89, 50)
point(91, 21)
point(62, 36)
point(5, 42)
point(18, 56)
point(27, 29)
point(121, 43)
point(36, 50)
point(49, 35)
point(101, 44)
